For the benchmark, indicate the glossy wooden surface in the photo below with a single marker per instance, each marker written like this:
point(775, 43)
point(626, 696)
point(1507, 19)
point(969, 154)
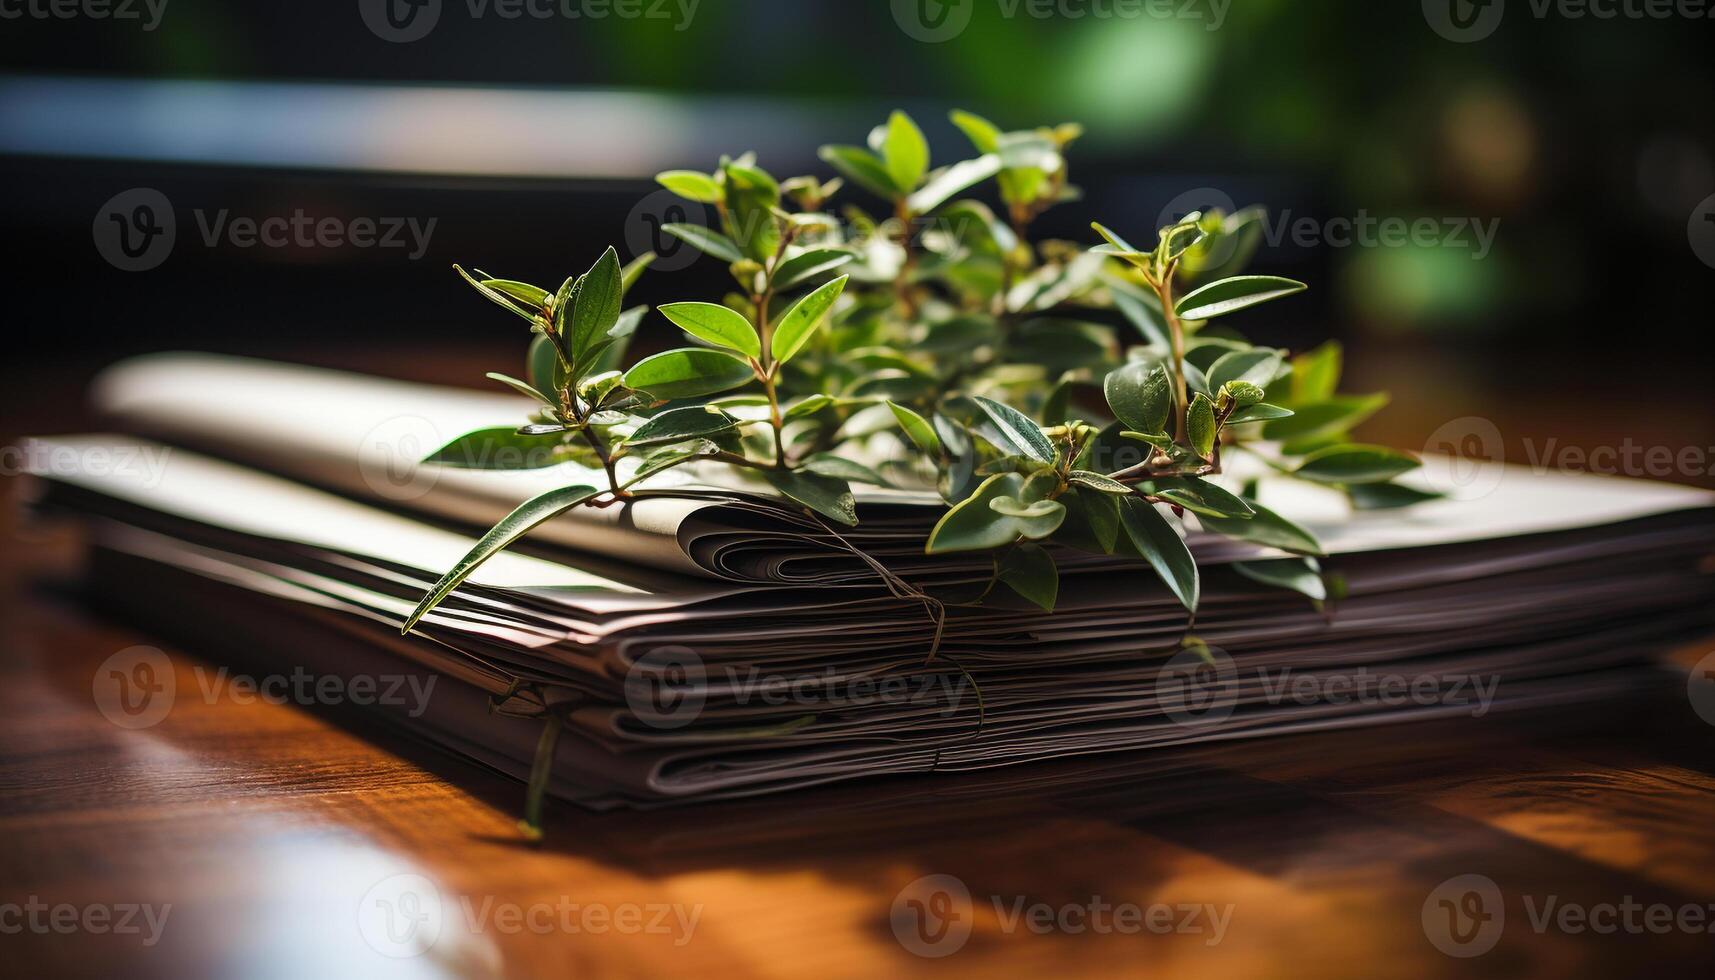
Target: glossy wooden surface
point(270, 830)
point(267, 828)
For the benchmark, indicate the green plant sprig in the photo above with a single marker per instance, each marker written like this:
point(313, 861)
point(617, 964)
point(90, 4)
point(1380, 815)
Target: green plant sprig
point(968, 357)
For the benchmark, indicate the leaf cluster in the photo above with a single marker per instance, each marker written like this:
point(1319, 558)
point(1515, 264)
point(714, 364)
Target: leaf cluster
point(1058, 395)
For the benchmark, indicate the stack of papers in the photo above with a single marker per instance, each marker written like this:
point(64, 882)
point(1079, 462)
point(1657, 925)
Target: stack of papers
point(730, 646)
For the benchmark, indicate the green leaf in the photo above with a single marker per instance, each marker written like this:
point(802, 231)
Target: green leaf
point(1144, 314)
point(1388, 496)
point(808, 406)
point(680, 424)
point(1200, 426)
point(1316, 375)
point(688, 372)
point(1099, 483)
point(595, 388)
point(606, 356)
point(752, 199)
point(984, 135)
point(917, 429)
point(829, 496)
point(827, 464)
point(533, 296)
point(1159, 440)
point(596, 308)
point(1265, 528)
point(497, 297)
point(1256, 366)
point(808, 265)
point(801, 321)
point(666, 459)
point(716, 324)
point(545, 369)
point(634, 271)
point(1320, 420)
point(1040, 519)
point(905, 151)
point(974, 525)
point(512, 527)
point(1301, 575)
point(1101, 512)
point(690, 184)
point(1242, 394)
point(706, 240)
point(1231, 295)
point(1120, 245)
point(1354, 464)
point(1161, 546)
point(1241, 234)
point(522, 388)
point(952, 180)
point(863, 168)
point(1203, 498)
point(1175, 240)
point(744, 175)
point(1258, 413)
point(499, 448)
point(1029, 570)
point(1014, 432)
point(1141, 396)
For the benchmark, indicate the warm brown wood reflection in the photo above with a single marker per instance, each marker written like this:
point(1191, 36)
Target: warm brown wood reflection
point(266, 828)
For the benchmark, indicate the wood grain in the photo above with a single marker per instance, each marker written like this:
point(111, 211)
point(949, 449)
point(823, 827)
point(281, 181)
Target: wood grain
point(268, 827)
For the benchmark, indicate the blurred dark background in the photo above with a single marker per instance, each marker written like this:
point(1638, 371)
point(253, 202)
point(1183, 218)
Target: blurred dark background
point(1585, 143)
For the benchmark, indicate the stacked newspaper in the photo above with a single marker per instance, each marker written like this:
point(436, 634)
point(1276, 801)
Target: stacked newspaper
point(728, 645)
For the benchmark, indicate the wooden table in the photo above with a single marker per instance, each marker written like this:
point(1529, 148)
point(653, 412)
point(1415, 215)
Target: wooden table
point(278, 834)
point(272, 831)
